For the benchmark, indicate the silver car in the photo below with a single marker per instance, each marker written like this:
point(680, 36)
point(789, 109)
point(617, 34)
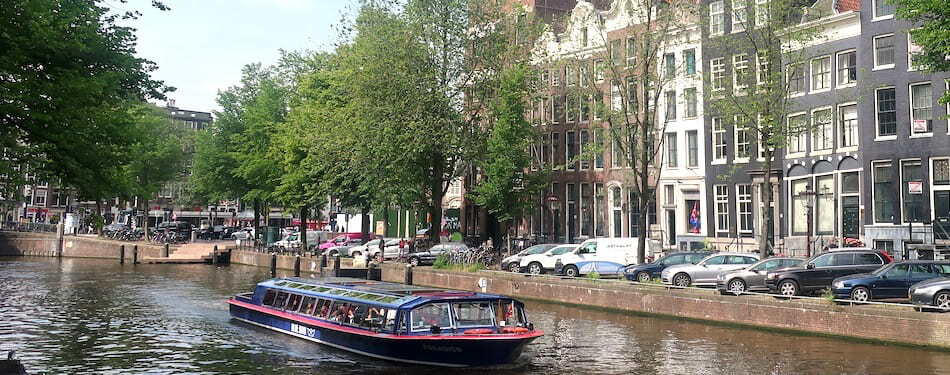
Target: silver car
point(752, 278)
point(931, 293)
point(705, 272)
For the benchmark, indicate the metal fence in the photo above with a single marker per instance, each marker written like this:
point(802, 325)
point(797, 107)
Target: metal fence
point(13, 226)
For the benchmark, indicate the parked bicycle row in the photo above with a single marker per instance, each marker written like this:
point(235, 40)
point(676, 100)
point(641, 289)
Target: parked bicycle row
point(853, 274)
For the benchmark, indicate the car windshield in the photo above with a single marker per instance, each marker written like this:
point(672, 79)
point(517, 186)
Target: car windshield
point(882, 269)
point(536, 249)
point(562, 250)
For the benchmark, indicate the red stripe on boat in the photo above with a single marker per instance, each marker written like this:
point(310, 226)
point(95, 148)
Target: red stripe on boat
point(357, 331)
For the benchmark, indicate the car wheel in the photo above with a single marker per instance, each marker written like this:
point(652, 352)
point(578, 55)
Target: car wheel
point(334, 253)
point(514, 267)
point(737, 286)
point(788, 288)
point(682, 280)
point(571, 271)
point(356, 254)
point(378, 257)
point(942, 300)
point(643, 277)
point(414, 261)
point(535, 268)
point(860, 294)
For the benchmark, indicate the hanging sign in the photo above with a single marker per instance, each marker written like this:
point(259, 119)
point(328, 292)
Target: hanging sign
point(915, 187)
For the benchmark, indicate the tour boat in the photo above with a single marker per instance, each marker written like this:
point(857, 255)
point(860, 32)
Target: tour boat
point(391, 321)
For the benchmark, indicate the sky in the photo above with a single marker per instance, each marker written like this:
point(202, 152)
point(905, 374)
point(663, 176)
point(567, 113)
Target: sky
point(200, 46)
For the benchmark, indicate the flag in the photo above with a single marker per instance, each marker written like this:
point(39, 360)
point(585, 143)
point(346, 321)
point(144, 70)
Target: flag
point(694, 220)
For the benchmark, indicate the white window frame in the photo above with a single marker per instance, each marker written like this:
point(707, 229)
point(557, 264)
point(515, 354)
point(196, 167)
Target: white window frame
point(901, 186)
point(669, 105)
point(912, 49)
point(672, 150)
point(838, 68)
point(818, 129)
point(889, 164)
point(600, 68)
point(720, 145)
point(762, 70)
point(740, 81)
point(839, 118)
point(874, 52)
point(689, 151)
point(694, 103)
point(801, 147)
point(761, 12)
point(934, 187)
point(877, 123)
point(570, 164)
point(740, 199)
point(721, 201)
point(717, 9)
point(717, 73)
point(827, 80)
point(877, 17)
point(740, 15)
point(911, 107)
point(788, 79)
point(581, 149)
point(692, 51)
point(747, 144)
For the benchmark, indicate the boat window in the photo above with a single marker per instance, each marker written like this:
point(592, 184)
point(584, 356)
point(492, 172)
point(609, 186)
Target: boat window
point(509, 313)
point(390, 320)
point(426, 316)
point(375, 318)
point(309, 303)
point(323, 308)
point(280, 300)
point(269, 297)
point(293, 303)
point(469, 314)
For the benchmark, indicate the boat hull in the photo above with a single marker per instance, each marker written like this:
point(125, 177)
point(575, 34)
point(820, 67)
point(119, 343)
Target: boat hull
point(436, 350)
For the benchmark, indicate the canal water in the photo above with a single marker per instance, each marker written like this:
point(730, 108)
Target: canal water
point(79, 316)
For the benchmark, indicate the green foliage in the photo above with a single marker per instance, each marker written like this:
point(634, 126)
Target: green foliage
point(442, 262)
point(593, 275)
point(933, 35)
point(158, 154)
point(69, 75)
point(828, 295)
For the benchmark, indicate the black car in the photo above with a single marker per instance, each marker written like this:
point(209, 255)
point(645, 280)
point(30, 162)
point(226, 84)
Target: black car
point(890, 281)
point(649, 271)
point(818, 272)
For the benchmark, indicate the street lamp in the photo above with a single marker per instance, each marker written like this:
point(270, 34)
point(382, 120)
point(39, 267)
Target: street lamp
point(554, 203)
point(809, 196)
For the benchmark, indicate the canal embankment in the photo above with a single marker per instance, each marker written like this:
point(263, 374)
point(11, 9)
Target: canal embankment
point(884, 323)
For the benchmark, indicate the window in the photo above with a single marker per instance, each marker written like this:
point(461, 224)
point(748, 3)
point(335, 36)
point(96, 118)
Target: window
point(584, 111)
point(558, 110)
point(722, 208)
point(599, 154)
point(884, 51)
point(691, 102)
point(585, 142)
point(883, 192)
point(744, 203)
point(912, 190)
point(571, 140)
point(584, 39)
point(617, 159)
point(556, 77)
point(739, 13)
point(570, 76)
point(545, 78)
point(570, 108)
point(795, 74)
point(427, 316)
point(850, 205)
point(848, 116)
point(545, 146)
point(886, 246)
point(764, 68)
point(719, 139)
point(821, 73)
point(473, 314)
point(825, 204)
point(823, 133)
point(883, 8)
point(555, 147)
point(632, 103)
point(742, 138)
point(717, 69)
point(671, 105)
point(886, 112)
point(913, 51)
point(921, 112)
point(616, 52)
point(599, 68)
point(716, 21)
point(40, 198)
point(616, 99)
point(631, 52)
point(689, 56)
point(941, 172)
point(587, 213)
point(669, 66)
point(796, 125)
point(692, 149)
point(847, 68)
point(799, 206)
point(761, 12)
point(671, 155)
point(740, 65)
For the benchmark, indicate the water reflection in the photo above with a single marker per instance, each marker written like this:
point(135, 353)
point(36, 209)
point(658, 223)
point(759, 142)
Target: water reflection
point(90, 316)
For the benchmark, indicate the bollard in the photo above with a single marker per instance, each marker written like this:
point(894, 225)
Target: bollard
point(214, 255)
point(121, 254)
point(408, 280)
point(336, 266)
point(297, 266)
point(135, 254)
point(273, 265)
point(165, 251)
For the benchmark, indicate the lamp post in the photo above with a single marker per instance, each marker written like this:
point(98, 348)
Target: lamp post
point(554, 205)
point(809, 195)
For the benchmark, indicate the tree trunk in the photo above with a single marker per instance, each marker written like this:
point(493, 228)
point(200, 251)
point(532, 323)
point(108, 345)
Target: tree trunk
point(303, 228)
point(435, 203)
point(145, 225)
point(257, 219)
point(100, 220)
point(364, 223)
point(767, 223)
point(644, 229)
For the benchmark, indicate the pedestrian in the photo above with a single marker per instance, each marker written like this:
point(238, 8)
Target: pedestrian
point(382, 249)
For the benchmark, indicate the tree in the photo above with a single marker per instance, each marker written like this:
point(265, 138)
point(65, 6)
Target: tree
point(68, 76)
point(933, 35)
point(508, 184)
point(758, 100)
point(632, 76)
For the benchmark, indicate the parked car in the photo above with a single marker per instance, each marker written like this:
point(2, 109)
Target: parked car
point(931, 293)
point(372, 247)
point(705, 272)
point(427, 257)
point(342, 240)
point(606, 256)
point(890, 281)
point(649, 271)
point(344, 249)
point(513, 263)
point(546, 261)
point(390, 251)
point(243, 234)
point(752, 278)
point(818, 272)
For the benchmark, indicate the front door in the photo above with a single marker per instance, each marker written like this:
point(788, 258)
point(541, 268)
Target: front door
point(850, 216)
point(942, 214)
point(671, 226)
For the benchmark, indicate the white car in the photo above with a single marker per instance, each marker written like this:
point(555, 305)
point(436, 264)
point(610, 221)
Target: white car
point(707, 270)
point(391, 251)
point(544, 262)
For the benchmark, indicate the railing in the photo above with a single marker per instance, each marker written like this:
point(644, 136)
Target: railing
point(14, 226)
